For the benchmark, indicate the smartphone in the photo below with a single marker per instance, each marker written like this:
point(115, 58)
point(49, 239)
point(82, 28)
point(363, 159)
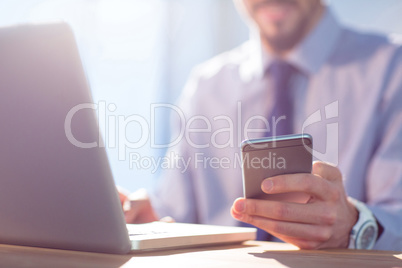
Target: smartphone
point(268, 157)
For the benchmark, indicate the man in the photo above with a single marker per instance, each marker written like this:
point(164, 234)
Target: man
point(348, 79)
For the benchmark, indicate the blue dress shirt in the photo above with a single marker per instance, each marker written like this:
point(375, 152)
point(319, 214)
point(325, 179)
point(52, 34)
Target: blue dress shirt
point(347, 95)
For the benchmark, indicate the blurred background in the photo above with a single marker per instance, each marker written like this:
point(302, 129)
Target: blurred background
point(137, 53)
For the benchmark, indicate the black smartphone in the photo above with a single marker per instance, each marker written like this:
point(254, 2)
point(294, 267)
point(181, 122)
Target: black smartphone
point(268, 157)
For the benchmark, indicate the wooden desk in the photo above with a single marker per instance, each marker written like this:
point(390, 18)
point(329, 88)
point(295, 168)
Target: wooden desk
point(249, 254)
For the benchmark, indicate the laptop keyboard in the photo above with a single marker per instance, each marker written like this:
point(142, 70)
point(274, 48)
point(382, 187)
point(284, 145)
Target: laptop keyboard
point(145, 229)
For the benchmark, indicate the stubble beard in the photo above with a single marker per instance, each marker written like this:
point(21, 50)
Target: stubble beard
point(288, 40)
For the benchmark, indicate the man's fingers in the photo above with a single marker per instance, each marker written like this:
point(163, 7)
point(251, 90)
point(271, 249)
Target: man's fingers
point(289, 183)
point(290, 230)
point(283, 211)
point(131, 216)
point(167, 219)
point(140, 210)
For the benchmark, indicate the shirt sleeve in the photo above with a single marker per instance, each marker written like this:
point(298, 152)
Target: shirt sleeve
point(384, 177)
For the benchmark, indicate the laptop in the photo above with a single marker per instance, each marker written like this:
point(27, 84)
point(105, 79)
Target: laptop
point(57, 189)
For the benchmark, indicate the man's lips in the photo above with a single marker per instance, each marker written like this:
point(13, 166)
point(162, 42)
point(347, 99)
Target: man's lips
point(273, 2)
point(275, 10)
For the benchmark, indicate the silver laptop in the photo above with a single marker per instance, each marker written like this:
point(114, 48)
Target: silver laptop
point(54, 192)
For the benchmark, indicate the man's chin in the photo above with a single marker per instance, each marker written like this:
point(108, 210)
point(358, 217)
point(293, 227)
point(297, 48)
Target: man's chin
point(284, 37)
point(282, 43)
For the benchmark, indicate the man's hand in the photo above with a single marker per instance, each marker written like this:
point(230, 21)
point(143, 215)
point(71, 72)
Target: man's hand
point(137, 208)
point(324, 222)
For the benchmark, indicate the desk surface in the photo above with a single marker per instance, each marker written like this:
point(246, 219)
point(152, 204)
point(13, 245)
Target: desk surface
point(249, 254)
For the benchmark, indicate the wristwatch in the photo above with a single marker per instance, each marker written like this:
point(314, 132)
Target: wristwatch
point(364, 233)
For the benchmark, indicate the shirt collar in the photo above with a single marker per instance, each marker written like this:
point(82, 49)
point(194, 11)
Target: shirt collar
point(317, 47)
point(254, 64)
point(308, 56)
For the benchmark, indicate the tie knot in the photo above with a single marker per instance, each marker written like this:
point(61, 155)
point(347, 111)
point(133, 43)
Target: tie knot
point(281, 70)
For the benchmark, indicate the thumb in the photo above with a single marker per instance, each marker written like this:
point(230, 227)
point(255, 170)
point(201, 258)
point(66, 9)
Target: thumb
point(326, 171)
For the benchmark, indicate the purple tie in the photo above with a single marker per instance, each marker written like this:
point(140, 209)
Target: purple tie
point(281, 74)
point(281, 118)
